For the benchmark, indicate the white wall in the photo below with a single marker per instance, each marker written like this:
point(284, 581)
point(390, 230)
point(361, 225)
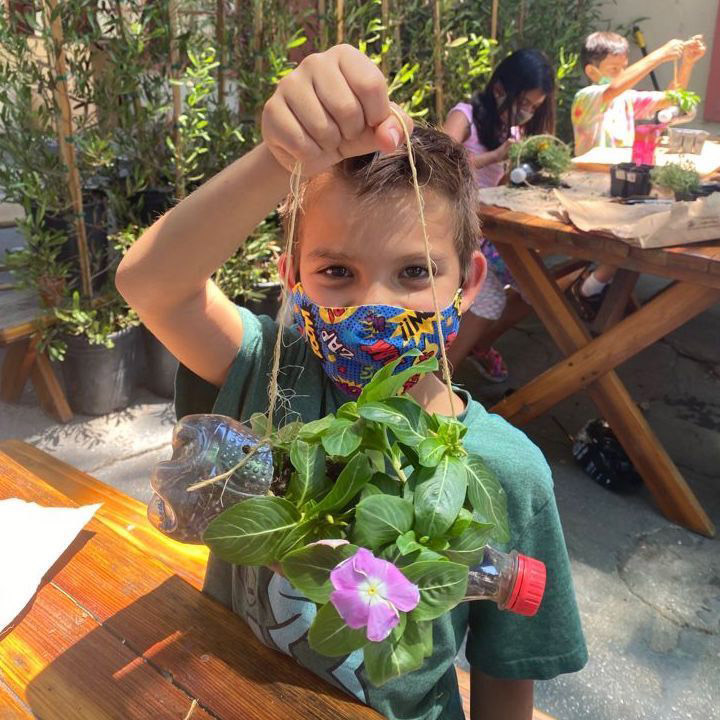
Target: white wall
point(671, 19)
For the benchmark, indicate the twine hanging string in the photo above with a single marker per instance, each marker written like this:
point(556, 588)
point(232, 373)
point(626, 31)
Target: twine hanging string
point(428, 259)
point(274, 390)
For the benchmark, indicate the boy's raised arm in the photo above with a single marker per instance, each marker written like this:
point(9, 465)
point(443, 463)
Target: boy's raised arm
point(166, 275)
point(694, 50)
point(633, 74)
point(334, 105)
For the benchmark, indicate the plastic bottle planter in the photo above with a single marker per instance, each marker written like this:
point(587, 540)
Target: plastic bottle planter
point(208, 446)
point(515, 582)
point(630, 180)
point(205, 446)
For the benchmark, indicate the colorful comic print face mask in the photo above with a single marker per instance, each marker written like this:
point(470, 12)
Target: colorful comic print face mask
point(354, 342)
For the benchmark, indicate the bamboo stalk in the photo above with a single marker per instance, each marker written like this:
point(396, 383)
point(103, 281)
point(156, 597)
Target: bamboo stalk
point(63, 118)
point(220, 42)
point(437, 53)
point(322, 24)
point(258, 27)
point(494, 20)
point(177, 98)
point(340, 20)
point(385, 18)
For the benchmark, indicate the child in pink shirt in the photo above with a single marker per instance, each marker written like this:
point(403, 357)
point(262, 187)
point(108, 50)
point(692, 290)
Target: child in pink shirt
point(518, 100)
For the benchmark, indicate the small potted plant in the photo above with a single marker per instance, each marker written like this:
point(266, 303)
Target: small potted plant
point(680, 178)
point(537, 159)
point(98, 345)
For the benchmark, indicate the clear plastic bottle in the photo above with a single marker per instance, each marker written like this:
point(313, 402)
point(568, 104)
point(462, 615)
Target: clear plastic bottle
point(205, 446)
point(515, 582)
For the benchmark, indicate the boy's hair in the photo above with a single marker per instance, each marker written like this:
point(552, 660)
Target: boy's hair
point(599, 45)
point(442, 166)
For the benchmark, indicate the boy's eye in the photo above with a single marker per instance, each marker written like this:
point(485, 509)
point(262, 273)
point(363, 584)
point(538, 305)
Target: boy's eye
point(337, 271)
point(415, 272)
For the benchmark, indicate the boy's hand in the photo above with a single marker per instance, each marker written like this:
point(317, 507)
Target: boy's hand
point(694, 49)
point(672, 50)
point(334, 105)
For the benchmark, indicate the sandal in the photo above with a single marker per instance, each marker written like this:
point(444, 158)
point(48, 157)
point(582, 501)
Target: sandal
point(490, 364)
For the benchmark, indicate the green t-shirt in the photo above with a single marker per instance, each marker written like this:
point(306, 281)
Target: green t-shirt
point(500, 644)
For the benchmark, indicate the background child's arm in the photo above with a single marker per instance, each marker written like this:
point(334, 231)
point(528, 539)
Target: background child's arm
point(458, 128)
point(694, 50)
point(499, 699)
point(632, 75)
point(334, 105)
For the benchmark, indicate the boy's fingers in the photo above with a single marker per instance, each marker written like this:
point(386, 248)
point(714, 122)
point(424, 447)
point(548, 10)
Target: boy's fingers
point(366, 82)
point(339, 101)
point(389, 133)
point(303, 103)
point(281, 124)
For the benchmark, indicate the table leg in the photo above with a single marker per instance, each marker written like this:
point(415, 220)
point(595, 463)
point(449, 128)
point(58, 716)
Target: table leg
point(616, 301)
point(48, 389)
point(668, 311)
point(18, 361)
point(668, 487)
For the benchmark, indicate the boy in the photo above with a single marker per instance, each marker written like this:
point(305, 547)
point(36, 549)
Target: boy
point(604, 114)
point(359, 243)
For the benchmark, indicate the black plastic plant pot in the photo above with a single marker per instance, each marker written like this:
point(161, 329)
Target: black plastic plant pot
point(630, 180)
point(160, 366)
point(99, 380)
point(148, 205)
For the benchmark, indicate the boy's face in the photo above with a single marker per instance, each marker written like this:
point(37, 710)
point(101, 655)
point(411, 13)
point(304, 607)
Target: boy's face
point(354, 252)
point(610, 66)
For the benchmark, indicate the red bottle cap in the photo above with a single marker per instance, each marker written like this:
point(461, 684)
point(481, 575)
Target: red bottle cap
point(527, 593)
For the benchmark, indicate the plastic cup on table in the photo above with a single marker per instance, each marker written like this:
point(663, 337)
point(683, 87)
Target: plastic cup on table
point(647, 137)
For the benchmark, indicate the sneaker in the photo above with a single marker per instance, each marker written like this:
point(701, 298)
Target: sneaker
point(490, 364)
point(585, 306)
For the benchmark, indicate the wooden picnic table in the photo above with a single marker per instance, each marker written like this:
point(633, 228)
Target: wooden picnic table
point(114, 633)
point(590, 363)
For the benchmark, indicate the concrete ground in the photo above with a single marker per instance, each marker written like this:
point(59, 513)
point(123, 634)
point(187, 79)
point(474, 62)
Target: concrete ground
point(649, 591)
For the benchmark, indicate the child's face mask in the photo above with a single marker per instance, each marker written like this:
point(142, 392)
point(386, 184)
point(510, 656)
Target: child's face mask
point(354, 342)
point(520, 116)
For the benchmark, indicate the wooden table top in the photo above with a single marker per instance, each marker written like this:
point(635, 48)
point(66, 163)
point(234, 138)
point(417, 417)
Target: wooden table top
point(697, 263)
point(113, 633)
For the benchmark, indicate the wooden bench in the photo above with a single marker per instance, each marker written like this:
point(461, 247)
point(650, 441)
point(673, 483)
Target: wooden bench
point(20, 319)
point(127, 516)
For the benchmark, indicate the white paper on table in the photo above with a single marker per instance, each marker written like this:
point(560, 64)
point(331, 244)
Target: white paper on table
point(32, 538)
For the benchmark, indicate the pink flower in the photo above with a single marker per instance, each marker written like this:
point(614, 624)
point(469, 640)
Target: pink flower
point(370, 592)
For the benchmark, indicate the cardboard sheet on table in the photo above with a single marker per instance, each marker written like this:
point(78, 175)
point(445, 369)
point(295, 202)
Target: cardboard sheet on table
point(32, 538)
point(601, 158)
point(648, 226)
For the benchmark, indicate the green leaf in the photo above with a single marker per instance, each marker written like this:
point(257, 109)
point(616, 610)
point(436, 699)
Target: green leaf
point(393, 657)
point(349, 411)
point(354, 476)
point(309, 480)
point(401, 414)
point(342, 438)
point(308, 569)
point(370, 489)
point(259, 424)
point(461, 524)
point(487, 497)
point(380, 519)
point(330, 636)
point(430, 451)
point(442, 586)
point(384, 384)
point(439, 496)
point(250, 532)
point(468, 547)
point(313, 430)
point(421, 632)
point(407, 543)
